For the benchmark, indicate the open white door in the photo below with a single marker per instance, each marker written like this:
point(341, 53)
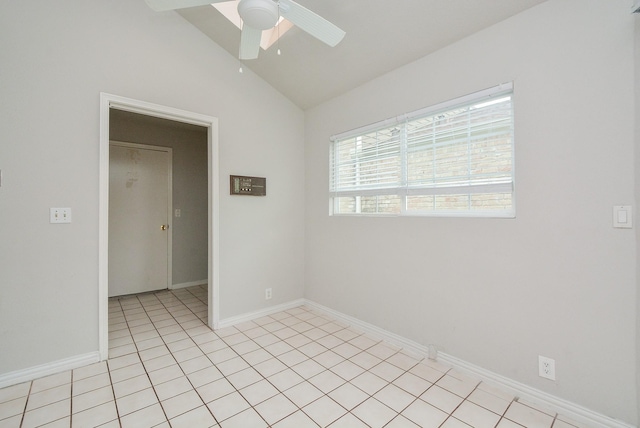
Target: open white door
point(139, 218)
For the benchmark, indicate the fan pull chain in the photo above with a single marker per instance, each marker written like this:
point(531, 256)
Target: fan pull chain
point(278, 39)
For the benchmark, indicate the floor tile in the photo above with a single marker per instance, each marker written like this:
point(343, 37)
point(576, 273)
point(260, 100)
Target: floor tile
point(365, 360)
point(12, 407)
point(214, 390)
point(489, 401)
point(95, 416)
point(118, 363)
point(232, 366)
point(527, 416)
point(258, 392)
point(387, 371)
point(374, 413)
point(172, 388)
point(298, 420)
point(285, 379)
point(49, 396)
point(324, 411)
point(394, 397)
point(204, 376)
point(295, 368)
point(15, 391)
point(88, 371)
point(275, 409)
point(303, 394)
point(127, 372)
point(229, 405)
point(412, 384)
point(160, 362)
point(348, 396)
point(182, 403)
point(244, 419)
point(347, 370)
point(136, 401)
point(328, 359)
point(459, 387)
point(165, 374)
point(403, 361)
point(424, 414)
point(475, 415)
point(369, 383)
point(52, 381)
point(46, 414)
point(91, 383)
point(455, 423)
point(401, 422)
point(327, 381)
point(195, 364)
point(147, 417)
point(442, 399)
point(130, 386)
point(92, 399)
point(308, 368)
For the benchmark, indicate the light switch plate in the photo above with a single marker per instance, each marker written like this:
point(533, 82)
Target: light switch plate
point(59, 215)
point(622, 216)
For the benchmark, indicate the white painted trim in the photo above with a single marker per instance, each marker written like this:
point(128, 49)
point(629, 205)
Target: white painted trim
point(371, 329)
point(228, 322)
point(108, 101)
point(563, 407)
point(532, 395)
point(31, 373)
point(188, 284)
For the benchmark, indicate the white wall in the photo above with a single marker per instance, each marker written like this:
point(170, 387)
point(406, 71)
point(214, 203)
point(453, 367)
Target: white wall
point(558, 280)
point(56, 58)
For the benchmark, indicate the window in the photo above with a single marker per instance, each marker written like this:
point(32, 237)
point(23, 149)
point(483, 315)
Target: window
point(453, 159)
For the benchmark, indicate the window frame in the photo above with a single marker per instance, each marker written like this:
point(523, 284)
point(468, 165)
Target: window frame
point(403, 189)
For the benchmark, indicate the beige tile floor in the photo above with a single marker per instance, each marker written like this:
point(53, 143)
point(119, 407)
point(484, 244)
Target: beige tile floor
point(296, 368)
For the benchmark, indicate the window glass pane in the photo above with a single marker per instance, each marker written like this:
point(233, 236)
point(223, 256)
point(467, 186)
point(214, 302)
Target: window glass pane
point(458, 160)
point(491, 202)
point(384, 204)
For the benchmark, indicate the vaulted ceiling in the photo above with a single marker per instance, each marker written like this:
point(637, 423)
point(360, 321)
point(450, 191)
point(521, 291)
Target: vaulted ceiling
point(381, 36)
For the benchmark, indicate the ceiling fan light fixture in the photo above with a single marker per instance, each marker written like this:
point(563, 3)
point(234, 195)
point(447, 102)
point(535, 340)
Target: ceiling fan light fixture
point(259, 14)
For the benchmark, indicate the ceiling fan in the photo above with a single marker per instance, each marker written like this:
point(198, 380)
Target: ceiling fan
point(259, 15)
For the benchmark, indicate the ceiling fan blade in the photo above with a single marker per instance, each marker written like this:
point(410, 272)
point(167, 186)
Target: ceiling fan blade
point(163, 5)
point(313, 24)
point(250, 42)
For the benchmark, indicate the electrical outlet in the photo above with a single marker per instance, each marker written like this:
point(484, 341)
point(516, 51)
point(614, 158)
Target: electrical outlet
point(267, 294)
point(546, 367)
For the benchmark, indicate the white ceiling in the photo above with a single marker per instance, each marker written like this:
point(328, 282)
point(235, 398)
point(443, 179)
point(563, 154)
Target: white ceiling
point(381, 35)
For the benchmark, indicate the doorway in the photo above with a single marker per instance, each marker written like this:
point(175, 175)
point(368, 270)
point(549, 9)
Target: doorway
point(108, 104)
point(140, 230)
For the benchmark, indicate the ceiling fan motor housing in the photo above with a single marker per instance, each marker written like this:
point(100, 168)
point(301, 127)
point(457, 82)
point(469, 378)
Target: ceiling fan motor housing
point(259, 14)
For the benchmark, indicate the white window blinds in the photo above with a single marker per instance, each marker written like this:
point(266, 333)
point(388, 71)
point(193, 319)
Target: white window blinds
point(455, 158)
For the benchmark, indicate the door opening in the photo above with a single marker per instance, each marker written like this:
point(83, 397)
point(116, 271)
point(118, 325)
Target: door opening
point(111, 104)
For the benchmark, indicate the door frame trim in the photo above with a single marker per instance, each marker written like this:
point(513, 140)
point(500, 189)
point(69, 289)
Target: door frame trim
point(107, 102)
point(169, 152)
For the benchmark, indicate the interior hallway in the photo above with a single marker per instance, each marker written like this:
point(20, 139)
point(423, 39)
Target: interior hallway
point(296, 368)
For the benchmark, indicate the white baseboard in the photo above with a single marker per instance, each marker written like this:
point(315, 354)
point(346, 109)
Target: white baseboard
point(535, 396)
point(532, 395)
point(189, 284)
point(31, 373)
point(228, 322)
